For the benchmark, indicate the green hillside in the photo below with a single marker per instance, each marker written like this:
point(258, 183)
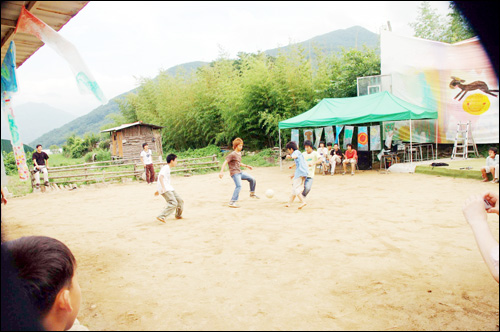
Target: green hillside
point(7, 147)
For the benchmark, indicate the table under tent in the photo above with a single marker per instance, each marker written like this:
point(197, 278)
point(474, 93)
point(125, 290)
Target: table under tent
point(370, 109)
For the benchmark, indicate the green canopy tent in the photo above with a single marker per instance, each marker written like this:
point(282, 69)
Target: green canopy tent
point(377, 107)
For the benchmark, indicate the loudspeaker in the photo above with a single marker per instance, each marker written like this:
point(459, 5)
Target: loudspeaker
point(364, 160)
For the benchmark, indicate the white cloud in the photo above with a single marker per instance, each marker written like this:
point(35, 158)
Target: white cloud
point(137, 39)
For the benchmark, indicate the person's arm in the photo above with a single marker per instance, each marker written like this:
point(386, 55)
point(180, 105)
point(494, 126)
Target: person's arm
point(247, 166)
point(46, 161)
point(475, 214)
point(221, 174)
point(4, 200)
point(355, 155)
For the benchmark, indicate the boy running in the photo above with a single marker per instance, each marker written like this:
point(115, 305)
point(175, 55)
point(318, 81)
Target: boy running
point(174, 201)
point(300, 174)
point(234, 161)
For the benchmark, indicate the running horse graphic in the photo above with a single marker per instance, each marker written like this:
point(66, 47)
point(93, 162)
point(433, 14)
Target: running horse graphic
point(464, 88)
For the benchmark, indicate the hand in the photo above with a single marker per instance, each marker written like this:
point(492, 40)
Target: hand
point(249, 167)
point(221, 175)
point(474, 211)
point(492, 198)
point(290, 167)
point(288, 156)
point(291, 176)
point(4, 200)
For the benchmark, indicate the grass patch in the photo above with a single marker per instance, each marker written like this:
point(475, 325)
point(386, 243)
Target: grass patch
point(467, 169)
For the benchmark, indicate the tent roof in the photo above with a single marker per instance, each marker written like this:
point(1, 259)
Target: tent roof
point(377, 107)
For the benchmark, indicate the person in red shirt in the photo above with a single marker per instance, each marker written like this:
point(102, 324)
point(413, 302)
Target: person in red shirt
point(350, 157)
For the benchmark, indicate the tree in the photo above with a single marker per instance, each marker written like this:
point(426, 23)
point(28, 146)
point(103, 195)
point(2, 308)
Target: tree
point(432, 26)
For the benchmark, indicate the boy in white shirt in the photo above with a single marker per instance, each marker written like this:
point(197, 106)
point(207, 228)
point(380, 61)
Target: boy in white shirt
point(147, 161)
point(174, 201)
point(491, 166)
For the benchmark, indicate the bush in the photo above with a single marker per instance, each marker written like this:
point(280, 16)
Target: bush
point(10, 163)
point(100, 155)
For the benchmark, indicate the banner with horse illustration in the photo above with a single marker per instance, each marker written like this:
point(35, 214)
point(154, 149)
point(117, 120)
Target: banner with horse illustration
point(456, 79)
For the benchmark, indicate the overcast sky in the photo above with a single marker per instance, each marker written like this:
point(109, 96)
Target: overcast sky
point(123, 41)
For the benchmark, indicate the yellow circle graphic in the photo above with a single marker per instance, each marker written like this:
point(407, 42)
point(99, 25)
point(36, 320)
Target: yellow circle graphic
point(476, 104)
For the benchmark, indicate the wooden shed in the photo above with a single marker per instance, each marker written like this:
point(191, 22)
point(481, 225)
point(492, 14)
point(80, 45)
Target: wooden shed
point(127, 140)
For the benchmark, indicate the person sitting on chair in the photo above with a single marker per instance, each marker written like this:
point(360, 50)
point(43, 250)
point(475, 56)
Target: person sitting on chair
point(336, 156)
point(323, 155)
point(491, 165)
point(351, 157)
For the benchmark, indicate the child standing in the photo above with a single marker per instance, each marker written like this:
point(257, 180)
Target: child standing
point(147, 161)
point(174, 201)
point(300, 174)
point(234, 161)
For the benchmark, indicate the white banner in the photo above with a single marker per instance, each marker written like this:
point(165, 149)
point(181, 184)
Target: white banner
point(456, 79)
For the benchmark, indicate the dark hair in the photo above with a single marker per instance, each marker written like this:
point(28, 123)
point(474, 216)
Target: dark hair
point(171, 157)
point(45, 265)
point(349, 145)
point(321, 142)
point(144, 144)
point(291, 145)
point(308, 143)
point(36, 147)
point(337, 144)
point(329, 144)
point(494, 149)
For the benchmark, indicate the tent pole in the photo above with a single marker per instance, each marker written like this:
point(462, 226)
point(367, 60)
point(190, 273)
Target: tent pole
point(437, 137)
point(279, 133)
point(411, 147)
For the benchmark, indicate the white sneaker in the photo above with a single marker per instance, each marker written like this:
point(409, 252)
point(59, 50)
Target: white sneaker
point(233, 205)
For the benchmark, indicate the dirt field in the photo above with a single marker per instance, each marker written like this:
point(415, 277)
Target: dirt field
point(369, 252)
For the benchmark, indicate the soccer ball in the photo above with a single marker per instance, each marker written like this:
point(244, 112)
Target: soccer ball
point(269, 193)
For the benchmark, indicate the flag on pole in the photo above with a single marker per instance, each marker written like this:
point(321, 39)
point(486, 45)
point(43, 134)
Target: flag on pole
point(375, 143)
point(29, 23)
point(362, 138)
point(348, 132)
point(317, 133)
point(295, 136)
point(330, 137)
point(338, 129)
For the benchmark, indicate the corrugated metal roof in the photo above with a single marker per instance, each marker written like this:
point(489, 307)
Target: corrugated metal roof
point(127, 125)
point(54, 13)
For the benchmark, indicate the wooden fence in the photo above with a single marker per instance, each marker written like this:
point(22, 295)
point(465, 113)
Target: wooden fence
point(122, 168)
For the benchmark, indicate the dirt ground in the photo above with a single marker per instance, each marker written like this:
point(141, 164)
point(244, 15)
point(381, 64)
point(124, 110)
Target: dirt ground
point(369, 252)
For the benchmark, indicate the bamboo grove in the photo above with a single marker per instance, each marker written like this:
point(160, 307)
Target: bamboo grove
point(246, 97)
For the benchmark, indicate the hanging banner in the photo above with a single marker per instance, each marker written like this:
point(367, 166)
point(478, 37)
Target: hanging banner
point(29, 23)
point(362, 138)
point(295, 137)
point(338, 129)
point(308, 135)
point(330, 137)
point(458, 80)
point(348, 132)
point(375, 143)
point(17, 144)
point(388, 134)
point(9, 86)
point(317, 134)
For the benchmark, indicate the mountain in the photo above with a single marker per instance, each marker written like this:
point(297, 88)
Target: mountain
point(35, 119)
point(331, 42)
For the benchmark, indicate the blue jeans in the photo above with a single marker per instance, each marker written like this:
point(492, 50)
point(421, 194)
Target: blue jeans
point(237, 181)
point(307, 186)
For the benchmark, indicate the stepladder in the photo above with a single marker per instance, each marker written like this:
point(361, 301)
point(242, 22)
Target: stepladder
point(463, 141)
